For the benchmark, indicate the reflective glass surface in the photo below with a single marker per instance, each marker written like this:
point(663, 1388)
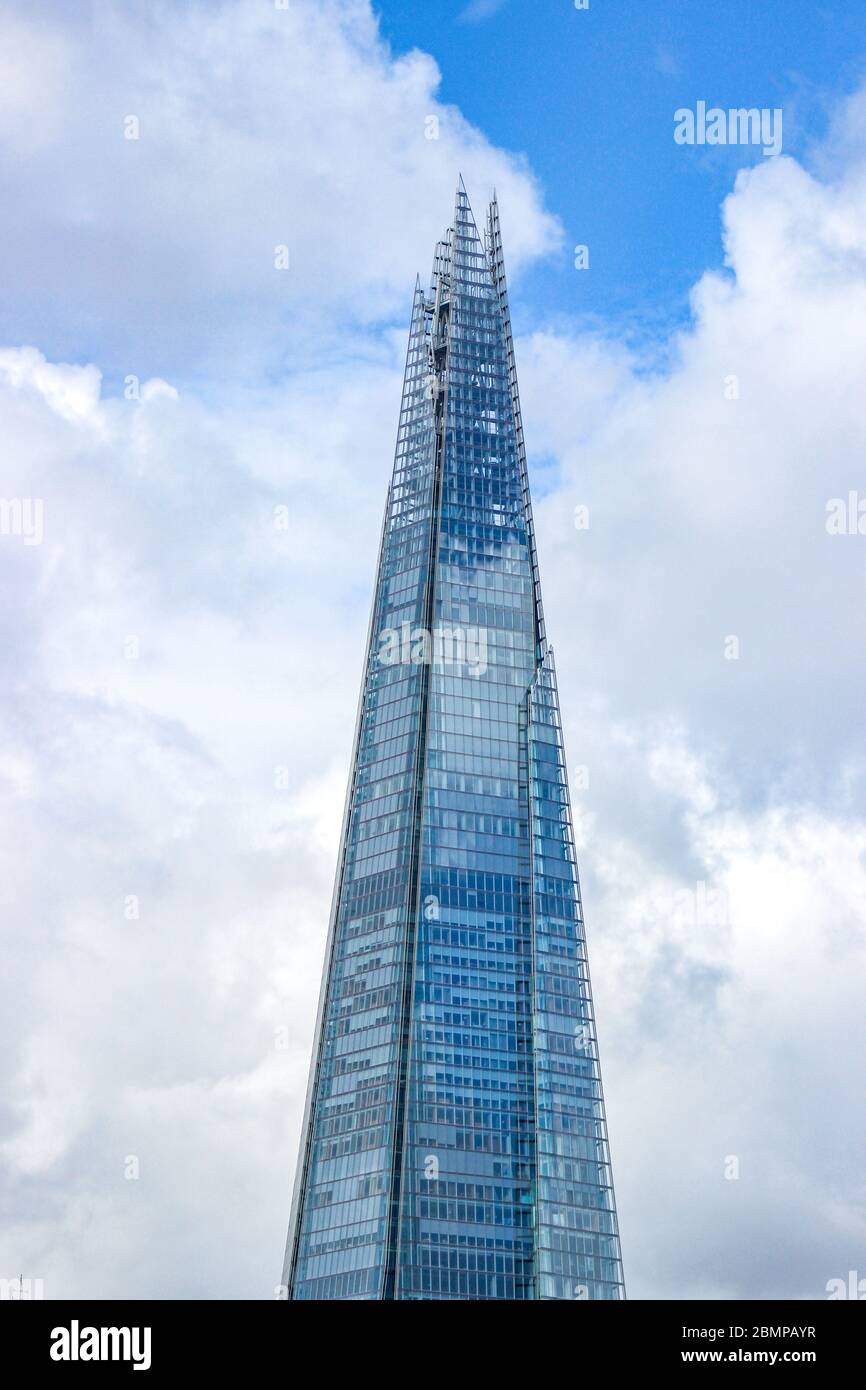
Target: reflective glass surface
point(454, 1145)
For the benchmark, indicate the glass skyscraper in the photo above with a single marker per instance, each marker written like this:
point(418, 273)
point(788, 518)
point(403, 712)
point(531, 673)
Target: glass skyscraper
point(454, 1142)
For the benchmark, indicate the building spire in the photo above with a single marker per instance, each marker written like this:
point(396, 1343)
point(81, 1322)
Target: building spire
point(457, 897)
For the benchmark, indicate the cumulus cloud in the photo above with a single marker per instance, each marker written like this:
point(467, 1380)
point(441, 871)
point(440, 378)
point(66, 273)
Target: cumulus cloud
point(184, 647)
point(707, 624)
point(708, 488)
point(231, 182)
point(167, 844)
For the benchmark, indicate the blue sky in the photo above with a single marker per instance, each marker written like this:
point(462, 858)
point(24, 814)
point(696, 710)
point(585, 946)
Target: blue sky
point(180, 673)
point(589, 97)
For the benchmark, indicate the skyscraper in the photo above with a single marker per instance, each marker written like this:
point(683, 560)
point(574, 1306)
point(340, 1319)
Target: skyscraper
point(454, 1142)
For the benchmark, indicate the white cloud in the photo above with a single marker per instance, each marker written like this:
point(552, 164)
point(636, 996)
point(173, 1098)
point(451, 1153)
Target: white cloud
point(72, 392)
point(35, 64)
point(724, 828)
point(258, 128)
point(714, 781)
point(708, 513)
point(734, 1031)
point(478, 10)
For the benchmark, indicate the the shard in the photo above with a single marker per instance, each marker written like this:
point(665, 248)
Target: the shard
point(454, 1142)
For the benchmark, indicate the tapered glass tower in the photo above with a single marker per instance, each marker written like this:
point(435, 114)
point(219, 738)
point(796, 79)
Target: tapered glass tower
point(454, 1142)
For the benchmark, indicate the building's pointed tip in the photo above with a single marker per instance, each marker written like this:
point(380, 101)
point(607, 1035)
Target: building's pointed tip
point(461, 186)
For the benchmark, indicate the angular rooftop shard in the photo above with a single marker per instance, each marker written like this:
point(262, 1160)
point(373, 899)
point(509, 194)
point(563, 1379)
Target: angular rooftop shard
point(454, 1143)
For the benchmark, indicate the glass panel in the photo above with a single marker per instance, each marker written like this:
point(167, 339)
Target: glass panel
point(455, 1144)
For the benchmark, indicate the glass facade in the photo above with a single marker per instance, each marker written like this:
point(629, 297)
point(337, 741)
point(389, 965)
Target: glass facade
point(454, 1143)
